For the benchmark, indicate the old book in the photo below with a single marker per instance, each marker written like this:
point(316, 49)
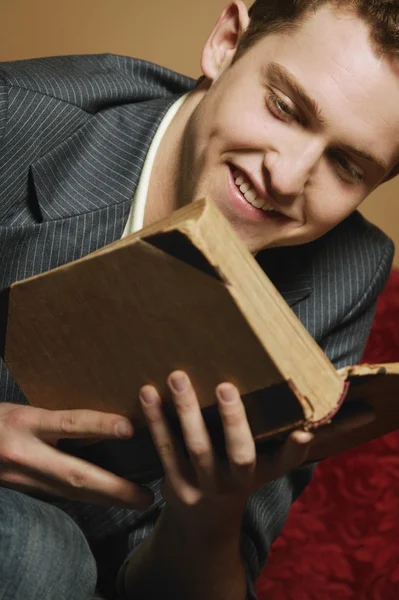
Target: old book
point(182, 294)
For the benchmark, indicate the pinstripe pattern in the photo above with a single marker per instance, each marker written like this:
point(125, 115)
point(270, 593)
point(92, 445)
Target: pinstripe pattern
point(74, 133)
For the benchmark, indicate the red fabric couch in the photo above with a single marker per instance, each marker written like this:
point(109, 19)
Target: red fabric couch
point(341, 541)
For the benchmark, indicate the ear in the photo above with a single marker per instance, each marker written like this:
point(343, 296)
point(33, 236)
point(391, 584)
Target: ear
point(221, 45)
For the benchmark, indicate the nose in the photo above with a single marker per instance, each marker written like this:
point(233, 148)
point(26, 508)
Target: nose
point(290, 169)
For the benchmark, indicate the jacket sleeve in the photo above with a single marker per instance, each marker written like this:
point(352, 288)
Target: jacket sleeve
point(345, 344)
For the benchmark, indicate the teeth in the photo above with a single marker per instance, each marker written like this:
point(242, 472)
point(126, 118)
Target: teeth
point(249, 192)
point(267, 208)
point(258, 203)
point(250, 195)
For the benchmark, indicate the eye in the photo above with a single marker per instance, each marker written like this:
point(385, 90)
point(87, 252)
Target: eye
point(345, 169)
point(281, 109)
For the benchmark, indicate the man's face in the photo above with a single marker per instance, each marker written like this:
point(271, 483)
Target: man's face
point(292, 137)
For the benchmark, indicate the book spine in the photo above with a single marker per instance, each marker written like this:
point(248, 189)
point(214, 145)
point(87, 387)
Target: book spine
point(327, 419)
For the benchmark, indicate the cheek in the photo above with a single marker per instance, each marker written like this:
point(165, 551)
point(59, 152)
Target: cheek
point(325, 210)
point(240, 119)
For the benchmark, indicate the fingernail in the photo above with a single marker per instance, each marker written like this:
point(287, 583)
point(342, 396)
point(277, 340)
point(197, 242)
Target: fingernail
point(227, 392)
point(179, 381)
point(148, 395)
point(123, 429)
point(303, 437)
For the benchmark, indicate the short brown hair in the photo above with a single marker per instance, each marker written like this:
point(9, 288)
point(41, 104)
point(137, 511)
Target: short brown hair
point(270, 16)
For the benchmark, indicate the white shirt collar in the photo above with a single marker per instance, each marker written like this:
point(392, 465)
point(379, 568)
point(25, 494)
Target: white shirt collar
point(136, 215)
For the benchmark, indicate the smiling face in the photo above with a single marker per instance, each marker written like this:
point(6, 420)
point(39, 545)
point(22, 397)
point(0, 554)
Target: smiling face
point(289, 139)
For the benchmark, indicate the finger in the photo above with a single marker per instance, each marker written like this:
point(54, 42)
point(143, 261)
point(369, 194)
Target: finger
point(195, 434)
point(45, 488)
point(172, 461)
point(240, 445)
point(26, 483)
point(78, 423)
point(73, 477)
point(289, 456)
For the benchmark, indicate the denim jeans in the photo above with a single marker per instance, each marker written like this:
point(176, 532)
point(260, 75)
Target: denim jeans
point(43, 553)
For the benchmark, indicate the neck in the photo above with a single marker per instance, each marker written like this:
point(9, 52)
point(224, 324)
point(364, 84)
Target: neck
point(164, 190)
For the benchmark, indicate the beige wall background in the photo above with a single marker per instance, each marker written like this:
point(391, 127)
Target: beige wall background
point(169, 32)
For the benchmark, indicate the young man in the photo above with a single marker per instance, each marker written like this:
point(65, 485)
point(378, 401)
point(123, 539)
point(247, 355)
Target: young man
point(295, 122)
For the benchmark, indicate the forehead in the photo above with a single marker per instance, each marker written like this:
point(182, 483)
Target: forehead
point(332, 57)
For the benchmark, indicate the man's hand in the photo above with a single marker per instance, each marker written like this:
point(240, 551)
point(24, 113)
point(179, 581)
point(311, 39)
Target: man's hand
point(30, 462)
point(203, 482)
point(194, 549)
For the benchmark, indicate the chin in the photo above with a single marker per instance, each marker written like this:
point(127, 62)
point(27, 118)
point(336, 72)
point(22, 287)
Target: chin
point(254, 246)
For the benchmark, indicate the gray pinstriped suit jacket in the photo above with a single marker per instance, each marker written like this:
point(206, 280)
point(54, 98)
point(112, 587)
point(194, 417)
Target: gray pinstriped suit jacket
point(74, 132)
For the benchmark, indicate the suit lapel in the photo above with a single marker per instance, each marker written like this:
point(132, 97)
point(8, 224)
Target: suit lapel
point(97, 166)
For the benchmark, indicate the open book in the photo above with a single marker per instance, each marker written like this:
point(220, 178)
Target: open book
point(182, 294)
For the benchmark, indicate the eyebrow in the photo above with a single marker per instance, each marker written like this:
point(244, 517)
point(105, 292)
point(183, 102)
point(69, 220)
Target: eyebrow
point(276, 71)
